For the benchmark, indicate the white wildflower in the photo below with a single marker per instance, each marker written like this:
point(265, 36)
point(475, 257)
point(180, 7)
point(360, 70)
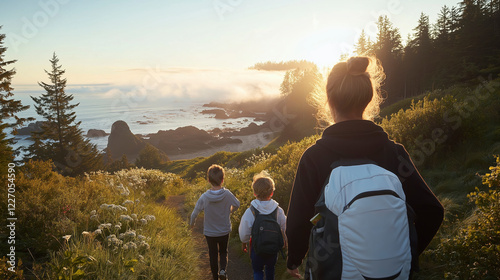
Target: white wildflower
point(141, 258)
point(104, 206)
point(141, 237)
point(118, 227)
point(134, 216)
point(130, 233)
point(127, 202)
point(67, 237)
point(105, 226)
point(150, 217)
point(143, 221)
point(143, 193)
point(93, 212)
point(93, 217)
point(121, 235)
point(98, 231)
point(131, 245)
point(125, 218)
point(143, 245)
point(113, 240)
point(119, 208)
point(86, 233)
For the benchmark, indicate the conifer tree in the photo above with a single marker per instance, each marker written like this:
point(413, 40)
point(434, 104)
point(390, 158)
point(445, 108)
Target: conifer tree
point(9, 107)
point(61, 140)
point(418, 60)
point(389, 50)
point(443, 26)
point(363, 46)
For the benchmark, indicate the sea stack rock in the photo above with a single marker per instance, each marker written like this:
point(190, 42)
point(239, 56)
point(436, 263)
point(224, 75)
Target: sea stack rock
point(32, 127)
point(96, 133)
point(182, 140)
point(122, 141)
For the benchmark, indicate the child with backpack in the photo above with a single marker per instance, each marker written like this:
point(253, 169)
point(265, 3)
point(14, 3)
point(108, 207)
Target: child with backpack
point(218, 203)
point(263, 226)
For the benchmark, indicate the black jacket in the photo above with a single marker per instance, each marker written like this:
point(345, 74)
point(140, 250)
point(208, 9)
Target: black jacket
point(355, 139)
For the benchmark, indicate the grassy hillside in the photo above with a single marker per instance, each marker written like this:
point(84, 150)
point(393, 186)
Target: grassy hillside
point(452, 136)
point(115, 226)
point(100, 226)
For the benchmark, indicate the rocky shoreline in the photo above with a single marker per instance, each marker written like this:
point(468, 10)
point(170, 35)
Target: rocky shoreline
point(189, 141)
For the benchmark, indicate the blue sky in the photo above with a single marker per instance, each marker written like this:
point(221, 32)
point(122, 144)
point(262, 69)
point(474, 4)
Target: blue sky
point(101, 41)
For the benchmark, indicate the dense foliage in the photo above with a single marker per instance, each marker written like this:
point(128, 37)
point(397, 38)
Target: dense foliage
point(473, 251)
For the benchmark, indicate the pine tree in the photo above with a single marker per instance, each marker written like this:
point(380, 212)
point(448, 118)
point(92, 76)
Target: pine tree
point(9, 107)
point(61, 140)
point(363, 46)
point(443, 26)
point(418, 58)
point(389, 50)
point(388, 38)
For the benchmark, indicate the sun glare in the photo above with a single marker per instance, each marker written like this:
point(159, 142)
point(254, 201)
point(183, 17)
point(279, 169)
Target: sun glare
point(324, 46)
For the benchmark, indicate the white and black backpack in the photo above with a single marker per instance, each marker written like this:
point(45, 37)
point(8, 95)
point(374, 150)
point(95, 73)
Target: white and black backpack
point(365, 229)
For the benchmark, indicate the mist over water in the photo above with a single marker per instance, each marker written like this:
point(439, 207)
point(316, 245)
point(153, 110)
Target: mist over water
point(175, 99)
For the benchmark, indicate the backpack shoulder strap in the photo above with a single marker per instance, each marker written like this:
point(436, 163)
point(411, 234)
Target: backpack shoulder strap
point(254, 210)
point(274, 214)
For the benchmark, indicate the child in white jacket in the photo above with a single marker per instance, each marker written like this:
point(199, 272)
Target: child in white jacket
point(263, 188)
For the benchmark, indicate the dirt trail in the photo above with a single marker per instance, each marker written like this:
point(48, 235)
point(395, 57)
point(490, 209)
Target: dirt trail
point(238, 268)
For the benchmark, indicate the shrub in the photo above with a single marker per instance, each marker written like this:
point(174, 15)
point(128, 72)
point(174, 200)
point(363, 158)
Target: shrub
point(473, 252)
point(8, 272)
point(150, 157)
point(421, 127)
point(456, 114)
point(50, 205)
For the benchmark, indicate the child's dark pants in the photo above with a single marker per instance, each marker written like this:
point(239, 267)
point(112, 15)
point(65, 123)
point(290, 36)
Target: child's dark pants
point(217, 246)
point(261, 264)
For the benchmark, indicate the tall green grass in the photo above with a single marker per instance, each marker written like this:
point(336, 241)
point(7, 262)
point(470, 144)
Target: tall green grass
point(100, 226)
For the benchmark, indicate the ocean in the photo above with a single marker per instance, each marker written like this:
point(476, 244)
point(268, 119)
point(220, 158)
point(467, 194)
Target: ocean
point(144, 115)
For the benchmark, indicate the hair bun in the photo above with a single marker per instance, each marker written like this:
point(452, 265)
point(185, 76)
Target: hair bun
point(357, 65)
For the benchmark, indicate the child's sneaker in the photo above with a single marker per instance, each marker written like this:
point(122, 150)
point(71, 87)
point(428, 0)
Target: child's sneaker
point(222, 275)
